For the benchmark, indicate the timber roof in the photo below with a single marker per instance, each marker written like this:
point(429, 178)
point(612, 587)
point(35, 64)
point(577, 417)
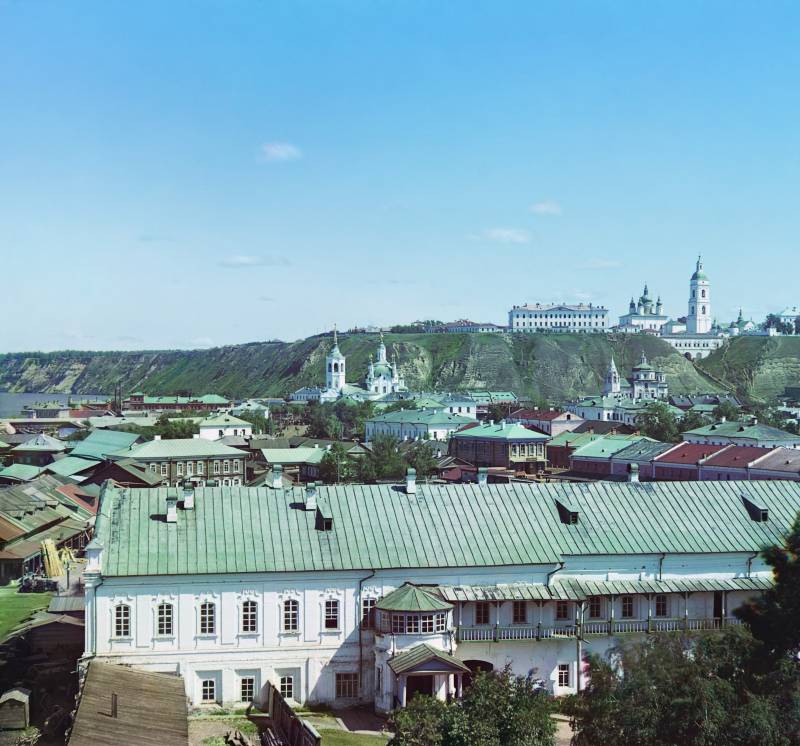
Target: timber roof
point(151, 708)
point(241, 529)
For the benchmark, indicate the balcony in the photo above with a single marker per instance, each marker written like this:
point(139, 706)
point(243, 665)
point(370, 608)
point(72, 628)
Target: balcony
point(523, 632)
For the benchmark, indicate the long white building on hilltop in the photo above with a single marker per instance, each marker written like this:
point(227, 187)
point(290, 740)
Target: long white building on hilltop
point(554, 317)
point(370, 593)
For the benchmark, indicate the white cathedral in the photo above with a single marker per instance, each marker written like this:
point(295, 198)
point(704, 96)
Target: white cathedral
point(382, 378)
point(696, 336)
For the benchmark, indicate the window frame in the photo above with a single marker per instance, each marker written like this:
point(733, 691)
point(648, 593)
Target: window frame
point(165, 619)
point(331, 618)
point(563, 674)
point(661, 598)
point(248, 682)
point(346, 685)
point(286, 684)
point(627, 610)
point(122, 621)
point(519, 612)
point(207, 619)
point(595, 603)
point(482, 609)
point(562, 610)
point(208, 686)
point(248, 617)
point(368, 612)
point(290, 613)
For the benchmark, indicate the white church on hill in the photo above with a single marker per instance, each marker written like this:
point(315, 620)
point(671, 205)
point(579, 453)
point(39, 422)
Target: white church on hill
point(383, 377)
point(696, 336)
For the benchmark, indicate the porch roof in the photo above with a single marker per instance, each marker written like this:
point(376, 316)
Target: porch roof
point(410, 597)
point(423, 653)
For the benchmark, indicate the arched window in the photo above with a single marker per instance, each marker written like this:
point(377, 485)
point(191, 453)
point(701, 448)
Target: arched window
point(208, 618)
point(336, 367)
point(703, 293)
point(249, 616)
point(704, 310)
point(122, 620)
point(164, 619)
point(291, 615)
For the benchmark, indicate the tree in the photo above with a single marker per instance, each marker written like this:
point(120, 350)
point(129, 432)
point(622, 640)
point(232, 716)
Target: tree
point(773, 321)
point(692, 420)
point(420, 457)
point(727, 410)
point(336, 466)
point(385, 457)
point(260, 423)
point(658, 422)
point(797, 325)
point(774, 617)
point(499, 709)
point(399, 406)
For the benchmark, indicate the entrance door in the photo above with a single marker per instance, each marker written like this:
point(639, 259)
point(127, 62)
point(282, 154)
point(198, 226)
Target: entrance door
point(717, 605)
point(419, 685)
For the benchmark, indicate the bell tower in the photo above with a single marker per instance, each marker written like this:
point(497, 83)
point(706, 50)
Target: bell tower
point(698, 320)
point(335, 366)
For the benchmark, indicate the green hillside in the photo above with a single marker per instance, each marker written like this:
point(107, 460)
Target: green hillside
point(757, 368)
point(539, 367)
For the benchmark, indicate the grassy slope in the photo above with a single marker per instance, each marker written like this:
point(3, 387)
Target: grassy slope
point(534, 366)
point(758, 368)
point(15, 607)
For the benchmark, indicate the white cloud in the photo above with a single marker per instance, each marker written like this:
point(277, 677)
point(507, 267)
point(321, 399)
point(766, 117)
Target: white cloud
point(546, 207)
point(599, 264)
point(238, 261)
point(506, 235)
point(278, 152)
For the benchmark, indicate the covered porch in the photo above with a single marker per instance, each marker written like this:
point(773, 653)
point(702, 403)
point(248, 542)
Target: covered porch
point(425, 669)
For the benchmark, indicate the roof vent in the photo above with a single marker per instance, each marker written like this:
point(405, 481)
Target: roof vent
point(311, 496)
point(483, 473)
point(411, 481)
point(567, 510)
point(277, 477)
point(633, 473)
point(172, 508)
point(188, 495)
point(324, 518)
point(758, 512)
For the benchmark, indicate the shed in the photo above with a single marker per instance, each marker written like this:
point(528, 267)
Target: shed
point(15, 708)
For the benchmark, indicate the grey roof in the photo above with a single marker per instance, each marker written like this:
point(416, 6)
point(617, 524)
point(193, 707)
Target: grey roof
point(642, 450)
point(240, 529)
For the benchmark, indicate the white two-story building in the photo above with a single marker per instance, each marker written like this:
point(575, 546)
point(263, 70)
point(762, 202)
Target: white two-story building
point(370, 593)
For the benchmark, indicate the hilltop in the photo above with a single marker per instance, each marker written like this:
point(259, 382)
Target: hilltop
point(757, 368)
point(539, 367)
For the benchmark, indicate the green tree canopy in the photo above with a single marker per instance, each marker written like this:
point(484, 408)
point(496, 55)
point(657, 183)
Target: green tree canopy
point(658, 422)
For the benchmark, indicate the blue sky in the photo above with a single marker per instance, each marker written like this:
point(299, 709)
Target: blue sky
point(201, 173)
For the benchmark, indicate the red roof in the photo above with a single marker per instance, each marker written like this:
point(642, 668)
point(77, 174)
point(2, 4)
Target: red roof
point(536, 414)
point(736, 456)
point(688, 453)
point(75, 493)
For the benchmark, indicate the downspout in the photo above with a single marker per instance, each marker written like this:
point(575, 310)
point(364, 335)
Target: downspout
point(750, 563)
point(553, 572)
point(360, 643)
point(661, 566)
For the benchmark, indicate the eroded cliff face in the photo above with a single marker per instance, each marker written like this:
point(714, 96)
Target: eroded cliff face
point(539, 367)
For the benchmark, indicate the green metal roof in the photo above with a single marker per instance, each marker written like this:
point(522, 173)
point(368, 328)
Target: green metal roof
point(424, 653)
point(178, 448)
point(422, 417)
point(576, 440)
point(743, 430)
point(293, 456)
point(43, 443)
point(410, 597)
point(224, 420)
point(70, 465)
point(100, 443)
point(608, 446)
point(241, 529)
point(500, 431)
point(20, 472)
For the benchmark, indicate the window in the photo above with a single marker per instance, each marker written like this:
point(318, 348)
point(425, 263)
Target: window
point(661, 605)
point(200, 467)
point(346, 685)
point(482, 612)
point(427, 624)
point(291, 615)
point(216, 467)
point(594, 607)
point(164, 619)
point(122, 620)
point(519, 613)
point(226, 466)
point(627, 607)
point(237, 465)
point(412, 624)
point(287, 687)
point(398, 624)
point(153, 466)
point(249, 616)
point(331, 615)
point(163, 468)
point(563, 674)
point(247, 688)
point(208, 620)
point(208, 690)
point(441, 622)
point(368, 613)
point(379, 680)
point(180, 468)
point(562, 610)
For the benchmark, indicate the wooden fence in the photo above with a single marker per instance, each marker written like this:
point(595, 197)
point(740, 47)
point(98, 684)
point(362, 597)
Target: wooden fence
point(277, 721)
